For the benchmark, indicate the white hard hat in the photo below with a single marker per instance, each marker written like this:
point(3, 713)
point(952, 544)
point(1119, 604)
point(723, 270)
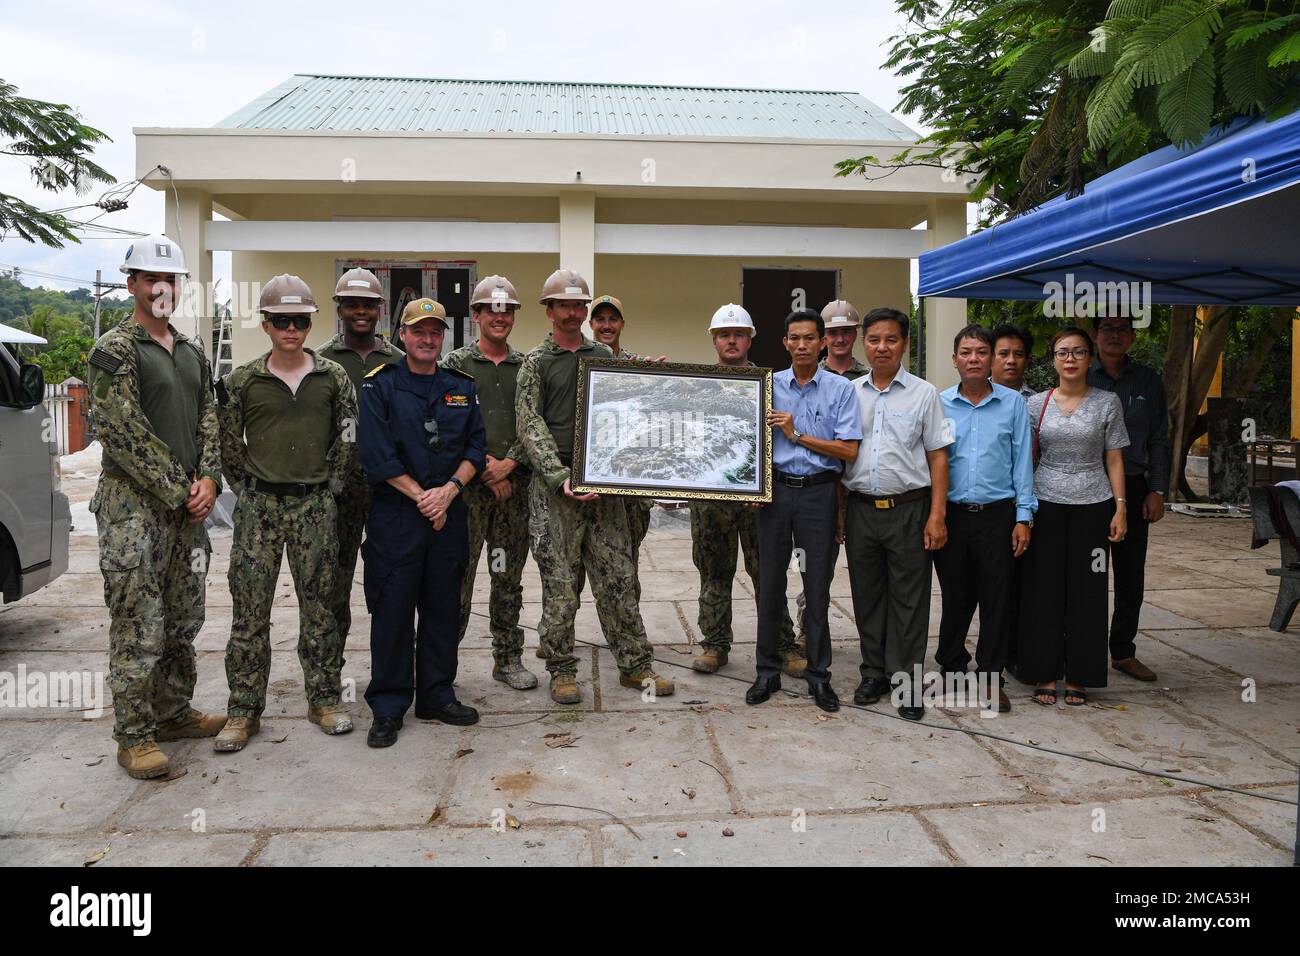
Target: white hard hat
point(154, 253)
point(732, 316)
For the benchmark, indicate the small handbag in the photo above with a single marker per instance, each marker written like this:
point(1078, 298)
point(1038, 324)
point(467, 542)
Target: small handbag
point(1038, 452)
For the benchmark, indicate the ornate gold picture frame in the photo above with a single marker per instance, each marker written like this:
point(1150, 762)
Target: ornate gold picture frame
point(673, 430)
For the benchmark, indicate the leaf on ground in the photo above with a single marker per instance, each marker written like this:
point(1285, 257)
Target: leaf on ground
point(433, 817)
point(95, 857)
point(690, 794)
point(557, 741)
point(281, 739)
point(512, 823)
point(463, 753)
point(95, 763)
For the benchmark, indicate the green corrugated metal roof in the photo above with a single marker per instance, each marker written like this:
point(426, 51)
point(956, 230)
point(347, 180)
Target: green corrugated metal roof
point(395, 104)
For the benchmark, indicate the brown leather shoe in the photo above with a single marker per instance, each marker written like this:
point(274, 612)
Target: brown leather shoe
point(193, 724)
point(793, 662)
point(1134, 668)
point(236, 733)
point(709, 661)
point(662, 685)
point(143, 761)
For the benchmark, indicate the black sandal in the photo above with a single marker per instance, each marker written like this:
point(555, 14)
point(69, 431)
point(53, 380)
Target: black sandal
point(1081, 698)
point(1041, 692)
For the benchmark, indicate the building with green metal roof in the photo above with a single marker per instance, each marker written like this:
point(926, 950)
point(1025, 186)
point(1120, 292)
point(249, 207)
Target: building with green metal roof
point(674, 199)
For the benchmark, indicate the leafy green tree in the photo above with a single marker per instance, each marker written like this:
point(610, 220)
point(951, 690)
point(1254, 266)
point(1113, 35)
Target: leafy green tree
point(52, 140)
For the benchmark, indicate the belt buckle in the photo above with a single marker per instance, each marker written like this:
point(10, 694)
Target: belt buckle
point(884, 503)
point(302, 490)
point(796, 481)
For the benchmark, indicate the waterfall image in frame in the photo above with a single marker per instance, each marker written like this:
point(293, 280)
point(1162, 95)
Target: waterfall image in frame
point(673, 430)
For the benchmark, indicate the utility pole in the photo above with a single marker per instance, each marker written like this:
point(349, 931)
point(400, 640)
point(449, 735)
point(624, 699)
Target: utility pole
point(100, 288)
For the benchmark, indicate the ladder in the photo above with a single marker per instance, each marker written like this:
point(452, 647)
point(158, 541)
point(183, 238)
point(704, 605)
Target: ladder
point(224, 362)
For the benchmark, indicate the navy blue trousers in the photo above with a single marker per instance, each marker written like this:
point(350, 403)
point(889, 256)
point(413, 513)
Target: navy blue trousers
point(412, 571)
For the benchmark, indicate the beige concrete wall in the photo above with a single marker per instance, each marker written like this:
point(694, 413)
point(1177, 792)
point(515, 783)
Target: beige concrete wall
point(668, 299)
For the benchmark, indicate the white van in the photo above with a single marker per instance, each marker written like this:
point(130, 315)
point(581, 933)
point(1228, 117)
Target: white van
point(34, 514)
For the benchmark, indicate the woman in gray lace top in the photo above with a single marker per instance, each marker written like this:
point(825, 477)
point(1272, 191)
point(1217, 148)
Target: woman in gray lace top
point(1079, 483)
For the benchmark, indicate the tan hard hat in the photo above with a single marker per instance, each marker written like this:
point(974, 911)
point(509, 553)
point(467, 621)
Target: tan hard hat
point(607, 300)
point(841, 315)
point(565, 284)
point(418, 310)
point(358, 284)
point(288, 295)
point(494, 290)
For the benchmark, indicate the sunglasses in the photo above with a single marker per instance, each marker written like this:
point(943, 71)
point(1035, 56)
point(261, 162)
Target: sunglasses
point(282, 322)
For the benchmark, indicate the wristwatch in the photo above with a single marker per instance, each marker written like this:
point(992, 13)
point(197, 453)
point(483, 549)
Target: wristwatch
point(457, 482)
point(1028, 524)
point(796, 436)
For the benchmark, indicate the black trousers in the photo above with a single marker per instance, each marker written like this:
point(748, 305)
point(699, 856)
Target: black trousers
point(1063, 604)
point(1129, 558)
point(889, 573)
point(975, 569)
point(803, 518)
point(410, 569)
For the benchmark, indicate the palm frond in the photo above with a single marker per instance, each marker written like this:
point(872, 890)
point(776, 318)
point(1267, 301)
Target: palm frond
point(1185, 104)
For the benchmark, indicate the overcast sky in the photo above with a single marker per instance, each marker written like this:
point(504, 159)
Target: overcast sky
point(155, 63)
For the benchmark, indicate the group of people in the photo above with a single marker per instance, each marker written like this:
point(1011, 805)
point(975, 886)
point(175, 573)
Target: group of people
point(430, 458)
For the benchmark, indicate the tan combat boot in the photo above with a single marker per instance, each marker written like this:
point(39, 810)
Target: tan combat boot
point(143, 761)
point(793, 662)
point(192, 724)
point(236, 733)
point(662, 685)
point(332, 718)
point(564, 689)
point(709, 661)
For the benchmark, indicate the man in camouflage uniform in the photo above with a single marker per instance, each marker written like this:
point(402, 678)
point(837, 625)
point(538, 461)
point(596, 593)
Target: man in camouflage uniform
point(607, 328)
point(570, 533)
point(498, 498)
point(359, 350)
point(717, 525)
point(151, 396)
point(842, 323)
point(288, 442)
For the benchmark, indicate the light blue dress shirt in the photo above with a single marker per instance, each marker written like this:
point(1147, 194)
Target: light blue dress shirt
point(992, 458)
point(824, 408)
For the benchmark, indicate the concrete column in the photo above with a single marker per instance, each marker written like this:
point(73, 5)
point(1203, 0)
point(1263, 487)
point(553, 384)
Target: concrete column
point(943, 317)
point(186, 224)
point(578, 235)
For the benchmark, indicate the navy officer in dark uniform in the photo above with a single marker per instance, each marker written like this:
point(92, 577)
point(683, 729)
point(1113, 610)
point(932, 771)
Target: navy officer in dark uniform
point(421, 441)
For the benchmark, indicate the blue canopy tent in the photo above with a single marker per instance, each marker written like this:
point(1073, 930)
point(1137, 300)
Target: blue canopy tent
point(1212, 224)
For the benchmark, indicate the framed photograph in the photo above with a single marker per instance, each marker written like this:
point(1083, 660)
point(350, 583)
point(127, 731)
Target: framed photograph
point(672, 430)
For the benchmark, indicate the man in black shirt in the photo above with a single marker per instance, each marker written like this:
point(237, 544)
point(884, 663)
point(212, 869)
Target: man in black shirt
point(1146, 471)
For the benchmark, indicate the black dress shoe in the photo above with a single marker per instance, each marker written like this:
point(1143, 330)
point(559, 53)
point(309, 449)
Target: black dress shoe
point(912, 713)
point(823, 696)
point(453, 713)
point(383, 732)
point(762, 689)
point(870, 690)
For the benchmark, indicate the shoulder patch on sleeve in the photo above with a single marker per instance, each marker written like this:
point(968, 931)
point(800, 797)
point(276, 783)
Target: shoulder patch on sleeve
point(105, 360)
